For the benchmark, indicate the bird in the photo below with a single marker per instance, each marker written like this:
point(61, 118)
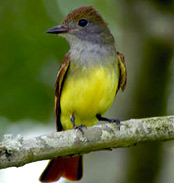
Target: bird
point(89, 77)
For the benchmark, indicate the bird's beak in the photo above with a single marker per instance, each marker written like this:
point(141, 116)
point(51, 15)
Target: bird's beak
point(58, 30)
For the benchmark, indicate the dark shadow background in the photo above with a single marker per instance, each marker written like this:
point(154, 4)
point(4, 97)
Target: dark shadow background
point(29, 60)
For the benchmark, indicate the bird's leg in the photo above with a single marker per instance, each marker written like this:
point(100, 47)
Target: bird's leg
point(72, 118)
point(117, 121)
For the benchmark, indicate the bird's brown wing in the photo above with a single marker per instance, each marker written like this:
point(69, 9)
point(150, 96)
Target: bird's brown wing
point(59, 85)
point(123, 72)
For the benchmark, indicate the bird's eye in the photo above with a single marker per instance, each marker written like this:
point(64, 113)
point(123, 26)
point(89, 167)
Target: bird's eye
point(82, 23)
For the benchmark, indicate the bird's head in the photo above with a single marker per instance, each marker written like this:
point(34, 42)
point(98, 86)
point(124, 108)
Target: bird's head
point(85, 24)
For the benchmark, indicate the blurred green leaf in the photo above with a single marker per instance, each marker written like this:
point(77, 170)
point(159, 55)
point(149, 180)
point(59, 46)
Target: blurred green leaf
point(24, 50)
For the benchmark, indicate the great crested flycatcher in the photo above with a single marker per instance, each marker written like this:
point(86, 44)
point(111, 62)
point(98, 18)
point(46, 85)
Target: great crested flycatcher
point(89, 77)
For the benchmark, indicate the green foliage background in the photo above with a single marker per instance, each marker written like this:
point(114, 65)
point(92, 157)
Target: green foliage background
point(25, 54)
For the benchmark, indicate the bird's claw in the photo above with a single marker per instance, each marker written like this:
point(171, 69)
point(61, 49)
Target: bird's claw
point(80, 128)
point(117, 121)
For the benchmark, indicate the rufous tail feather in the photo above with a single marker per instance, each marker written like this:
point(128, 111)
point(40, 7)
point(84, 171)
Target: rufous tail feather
point(67, 167)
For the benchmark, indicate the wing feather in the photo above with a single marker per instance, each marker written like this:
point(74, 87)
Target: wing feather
point(123, 72)
point(59, 85)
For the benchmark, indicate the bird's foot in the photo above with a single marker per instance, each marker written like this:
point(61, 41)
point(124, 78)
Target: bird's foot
point(80, 128)
point(116, 121)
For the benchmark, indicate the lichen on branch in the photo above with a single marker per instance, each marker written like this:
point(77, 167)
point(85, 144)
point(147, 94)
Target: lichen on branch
point(17, 151)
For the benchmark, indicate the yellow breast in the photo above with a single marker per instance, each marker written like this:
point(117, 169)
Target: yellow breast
point(87, 92)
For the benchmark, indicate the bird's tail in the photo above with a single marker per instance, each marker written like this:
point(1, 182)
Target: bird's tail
point(67, 167)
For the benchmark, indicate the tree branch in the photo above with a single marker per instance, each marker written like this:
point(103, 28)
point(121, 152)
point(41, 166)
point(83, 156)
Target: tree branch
point(17, 151)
